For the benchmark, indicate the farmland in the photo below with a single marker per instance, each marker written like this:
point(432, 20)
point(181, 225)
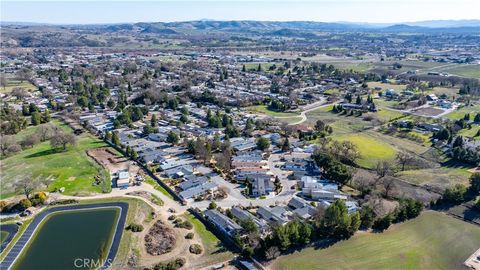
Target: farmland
point(415, 244)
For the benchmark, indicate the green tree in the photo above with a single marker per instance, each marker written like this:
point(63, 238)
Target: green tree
point(212, 205)
point(263, 143)
point(46, 116)
point(249, 226)
point(172, 138)
point(36, 118)
point(475, 183)
point(115, 138)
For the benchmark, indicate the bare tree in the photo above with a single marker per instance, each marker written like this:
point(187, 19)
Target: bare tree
point(26, 185)
point(3, 81)
point(6, 141)
point(384, 168)
point(403, 159)
point(388, 185)
point(272, 253)
point(46, 131)
point(30, 140)
point(62, 139)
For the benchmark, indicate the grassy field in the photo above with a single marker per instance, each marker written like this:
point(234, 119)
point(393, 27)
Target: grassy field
point(157, 186)
point(12, 84)
point(262, 109)
point(460, 113)
point(71, 169)
point(470, 71)
point(214, 252)
point(385, 86)
point(436, 177)
point(341, 124)
point(471, 133)
point(431, 241)
point(371, 150)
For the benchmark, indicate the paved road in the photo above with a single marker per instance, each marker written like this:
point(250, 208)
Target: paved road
point(16, 250)
point(311, 107)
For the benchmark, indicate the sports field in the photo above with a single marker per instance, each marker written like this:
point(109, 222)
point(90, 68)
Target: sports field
point(431, 241)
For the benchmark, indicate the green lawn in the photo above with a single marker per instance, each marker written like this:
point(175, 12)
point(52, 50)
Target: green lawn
point(386, 115)
point(12, 84)
point(371, 149)
point(214, 252)
point(262, 109)
point(71, 169)
point(470, 71)
point(471, 133)
point(431, 241)
point(149, 180)
point(460, 113)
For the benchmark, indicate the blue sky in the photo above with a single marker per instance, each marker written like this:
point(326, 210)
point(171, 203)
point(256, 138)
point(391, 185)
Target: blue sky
point(109, 11)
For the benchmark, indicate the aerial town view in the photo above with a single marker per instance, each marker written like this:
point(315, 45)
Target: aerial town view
point(227, 134)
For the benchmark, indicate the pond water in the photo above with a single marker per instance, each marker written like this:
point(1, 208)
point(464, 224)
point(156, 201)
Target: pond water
point(66, 240)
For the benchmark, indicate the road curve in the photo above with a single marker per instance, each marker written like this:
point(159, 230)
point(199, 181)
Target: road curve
point(18, 247)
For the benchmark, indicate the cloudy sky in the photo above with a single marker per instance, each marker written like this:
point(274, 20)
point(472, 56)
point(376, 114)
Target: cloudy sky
point(109, 11)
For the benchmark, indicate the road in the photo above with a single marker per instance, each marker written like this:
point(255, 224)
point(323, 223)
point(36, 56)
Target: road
point(309, 108)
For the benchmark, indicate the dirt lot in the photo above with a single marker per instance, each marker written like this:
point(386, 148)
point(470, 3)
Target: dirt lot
point(428, 111)
point(112, 162)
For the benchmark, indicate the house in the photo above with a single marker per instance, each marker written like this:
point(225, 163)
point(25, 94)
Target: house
point(262, 185)
point(243, 215)
point(432, 97)
point(222, 222)
point(277, 214)
point(123, 179)
point(302, 208)
point(199, 190)
point(179, 172)
point(192, 181)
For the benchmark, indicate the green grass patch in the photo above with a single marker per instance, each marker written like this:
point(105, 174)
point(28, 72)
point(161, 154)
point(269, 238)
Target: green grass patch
point(149, 180)
point(12, 84)
point(71, 169)
point(3, 236)
point(263, 109)
point(460, 113)
point(431, 241)
point(371, 149)
point(214, 251)
point(471, 133)
point(470, 71)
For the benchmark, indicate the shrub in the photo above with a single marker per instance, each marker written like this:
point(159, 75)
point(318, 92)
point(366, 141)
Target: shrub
point(134, 227)
point(189, 235)
point(62, 202)
point(172, 217)
point(172, 265)
point(195, 249)
point(3, 204)
point(24, 204)
point(40, 198)
point(184, 224)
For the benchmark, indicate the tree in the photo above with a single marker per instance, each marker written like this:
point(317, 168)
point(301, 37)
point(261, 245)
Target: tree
point(338, 223)
point(383, 223)
point(46, 131)
point(46, 116)
point(36, 118)
point(172, 138)
point(477, 118)
point(285, 145)
point(475, 183)
point(458, 142)
point(26, 185)
point(30, 140)
point(249, 226)
point(263, 143)
point(384, 168)
point(212, 205)
point(153, 121)
point(367, 216)
point(403, 159)
point(62, 139)
point(331, 168)
point(115, 138)
point(454, 194)
point(6, 142)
